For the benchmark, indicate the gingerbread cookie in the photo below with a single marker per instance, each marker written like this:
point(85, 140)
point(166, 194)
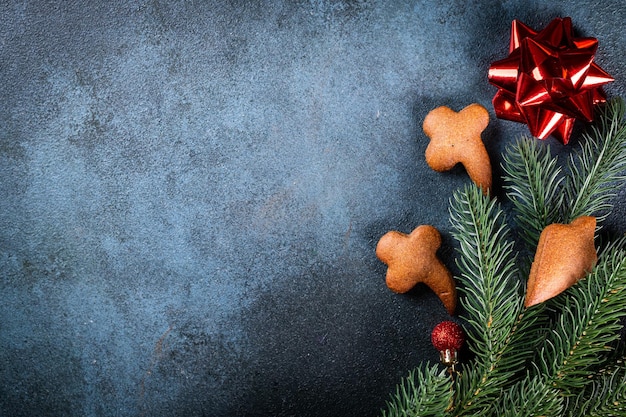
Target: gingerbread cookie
point(412, 259)
point(565, 254)
point(455, 138)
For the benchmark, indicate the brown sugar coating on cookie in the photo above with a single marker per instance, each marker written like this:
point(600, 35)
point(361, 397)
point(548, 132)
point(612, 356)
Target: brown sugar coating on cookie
point(455, 138)
point(565, 254)
point(412, 259)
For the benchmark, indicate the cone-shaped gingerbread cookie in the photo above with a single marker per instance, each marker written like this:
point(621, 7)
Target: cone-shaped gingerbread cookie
point(412, 259)
point(565, 254)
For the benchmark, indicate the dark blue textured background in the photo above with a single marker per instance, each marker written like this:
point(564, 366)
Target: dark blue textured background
point(191, 194)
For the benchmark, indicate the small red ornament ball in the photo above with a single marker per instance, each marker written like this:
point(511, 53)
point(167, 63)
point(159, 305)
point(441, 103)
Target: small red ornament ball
point(447, 335)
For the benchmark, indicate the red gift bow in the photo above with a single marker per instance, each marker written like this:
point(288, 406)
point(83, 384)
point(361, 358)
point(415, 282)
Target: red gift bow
point(548, 80)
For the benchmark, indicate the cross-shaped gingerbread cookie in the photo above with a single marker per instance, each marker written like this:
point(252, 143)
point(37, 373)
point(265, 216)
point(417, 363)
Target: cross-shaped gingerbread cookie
point(455, 138)
point(412, 259)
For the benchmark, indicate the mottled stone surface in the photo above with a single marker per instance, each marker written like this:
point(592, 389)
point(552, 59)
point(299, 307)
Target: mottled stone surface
point(191, 194)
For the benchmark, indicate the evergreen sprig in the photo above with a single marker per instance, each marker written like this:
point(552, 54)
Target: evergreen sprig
point(422, 393)
point(558, 358)
point(605, 396)
point(600, 163)
point(533, 182)
point(488, 271)
point(528, 398)
point(491, 294)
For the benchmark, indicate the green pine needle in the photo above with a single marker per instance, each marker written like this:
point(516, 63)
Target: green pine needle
point(422, 393)
point(492, 298)
point(488, 271)
point(533, 183)
point(605, 396)
point(529, 398)
point(595, 169)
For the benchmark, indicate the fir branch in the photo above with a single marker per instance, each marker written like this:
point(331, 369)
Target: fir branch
point(533, 183)
point(613, 399)
point(422, 393)
point(594, 170)
point(604, 397)
point(527, 335)
point(589, 323)
point(478, 392)
point(528, 398)
point(488, 271)
point(492, 298)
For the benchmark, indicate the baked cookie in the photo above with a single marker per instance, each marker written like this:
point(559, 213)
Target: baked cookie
point(412, 259)
point(455, 138)
point(565, 254)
